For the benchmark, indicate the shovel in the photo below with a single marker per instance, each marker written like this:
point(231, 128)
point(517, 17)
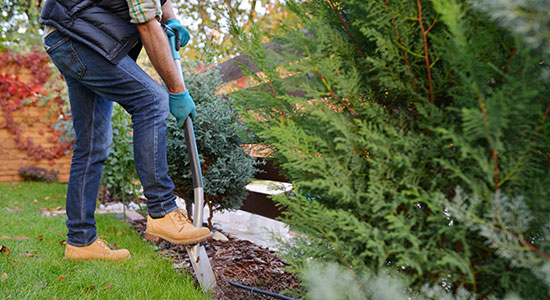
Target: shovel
point(197, 253)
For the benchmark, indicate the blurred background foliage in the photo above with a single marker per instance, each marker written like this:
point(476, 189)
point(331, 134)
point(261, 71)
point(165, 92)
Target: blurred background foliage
point(19, 25)
point(208, 22)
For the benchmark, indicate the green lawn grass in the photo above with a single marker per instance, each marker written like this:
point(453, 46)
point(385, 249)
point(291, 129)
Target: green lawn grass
point(35, 268)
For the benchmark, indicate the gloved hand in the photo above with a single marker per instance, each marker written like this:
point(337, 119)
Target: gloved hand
point(181, 106)
point(183, 33)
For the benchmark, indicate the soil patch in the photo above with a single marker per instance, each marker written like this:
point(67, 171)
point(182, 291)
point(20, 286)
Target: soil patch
point(236, 260)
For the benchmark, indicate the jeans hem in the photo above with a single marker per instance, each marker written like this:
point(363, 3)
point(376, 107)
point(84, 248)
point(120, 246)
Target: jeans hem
point(82, 244)
point(164, 212)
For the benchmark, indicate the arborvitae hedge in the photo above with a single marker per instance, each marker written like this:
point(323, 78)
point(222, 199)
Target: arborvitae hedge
point(417, 138)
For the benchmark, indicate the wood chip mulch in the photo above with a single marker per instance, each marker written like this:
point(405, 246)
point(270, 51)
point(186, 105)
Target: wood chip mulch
point(236, 260)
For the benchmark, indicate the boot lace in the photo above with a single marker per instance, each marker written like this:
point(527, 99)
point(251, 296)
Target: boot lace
point(102, 244)
point(181, 219)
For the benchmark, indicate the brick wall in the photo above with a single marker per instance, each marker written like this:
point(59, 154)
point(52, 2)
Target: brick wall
point(35, 123)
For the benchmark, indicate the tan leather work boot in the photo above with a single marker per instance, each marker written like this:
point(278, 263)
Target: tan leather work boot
point(175, 228)
point(97, 250)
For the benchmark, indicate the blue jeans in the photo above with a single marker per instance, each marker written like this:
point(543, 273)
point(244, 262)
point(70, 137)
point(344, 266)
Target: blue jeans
point(94, 83)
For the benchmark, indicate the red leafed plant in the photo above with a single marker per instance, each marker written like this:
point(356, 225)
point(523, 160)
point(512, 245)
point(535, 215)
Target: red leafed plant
point(16, 95)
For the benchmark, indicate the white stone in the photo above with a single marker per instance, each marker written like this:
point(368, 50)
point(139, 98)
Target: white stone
point(180, 203)
point(54, 213)
point(133, 216)
point(133, 205)
point(255, 228)
point(269, 187)
point(218, 236)
point(115, 207)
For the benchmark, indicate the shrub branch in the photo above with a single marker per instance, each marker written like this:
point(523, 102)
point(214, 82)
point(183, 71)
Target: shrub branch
point(346, 28)
point(426, 56)
point(400, 41)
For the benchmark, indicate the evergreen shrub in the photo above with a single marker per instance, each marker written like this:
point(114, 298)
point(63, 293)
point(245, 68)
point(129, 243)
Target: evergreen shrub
point(417, 139)
point(34, 173)
point(226, 168)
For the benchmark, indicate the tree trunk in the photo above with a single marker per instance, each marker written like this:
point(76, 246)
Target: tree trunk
point(211, 210)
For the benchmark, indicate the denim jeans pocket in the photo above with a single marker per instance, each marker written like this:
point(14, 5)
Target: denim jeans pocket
point(62, 53)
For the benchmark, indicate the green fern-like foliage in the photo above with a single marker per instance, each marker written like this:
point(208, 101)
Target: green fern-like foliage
point(377, 111)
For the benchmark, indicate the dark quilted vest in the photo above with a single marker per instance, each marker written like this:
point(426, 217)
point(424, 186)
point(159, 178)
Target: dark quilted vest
point(103, 25)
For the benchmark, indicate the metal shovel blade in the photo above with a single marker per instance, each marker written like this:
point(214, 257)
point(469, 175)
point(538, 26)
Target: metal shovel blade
point(202, 267)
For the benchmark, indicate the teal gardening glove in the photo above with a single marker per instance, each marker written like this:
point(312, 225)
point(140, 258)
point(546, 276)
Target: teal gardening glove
point(183, 33)
point(181, 106)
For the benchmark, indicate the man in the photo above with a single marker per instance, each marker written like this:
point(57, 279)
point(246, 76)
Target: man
point(94, 44)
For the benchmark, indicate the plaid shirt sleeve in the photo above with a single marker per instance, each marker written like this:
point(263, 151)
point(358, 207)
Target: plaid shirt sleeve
point(143, 11)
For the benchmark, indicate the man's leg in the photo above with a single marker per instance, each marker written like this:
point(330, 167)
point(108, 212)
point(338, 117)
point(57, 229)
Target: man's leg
point(147, 102)
point(92, 124)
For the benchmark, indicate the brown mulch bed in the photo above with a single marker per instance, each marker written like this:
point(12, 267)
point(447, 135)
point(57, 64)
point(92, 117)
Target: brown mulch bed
point(236, 260)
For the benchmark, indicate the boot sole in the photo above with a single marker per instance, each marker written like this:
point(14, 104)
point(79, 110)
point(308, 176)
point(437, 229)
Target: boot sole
point(104, 258)
point(157, 238)
point(96, 258)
